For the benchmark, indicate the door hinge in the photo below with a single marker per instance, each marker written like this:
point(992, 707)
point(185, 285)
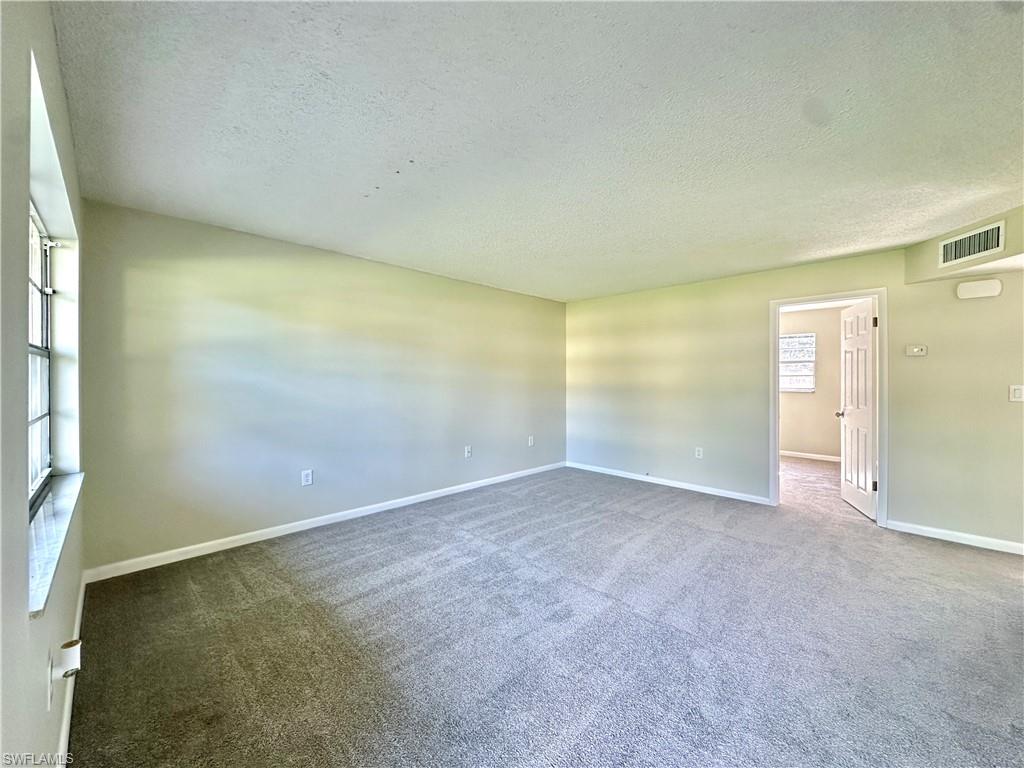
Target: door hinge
point(874, 322)
point(874, 485)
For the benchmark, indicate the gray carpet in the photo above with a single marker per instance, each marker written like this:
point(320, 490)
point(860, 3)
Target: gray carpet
point(566, 618)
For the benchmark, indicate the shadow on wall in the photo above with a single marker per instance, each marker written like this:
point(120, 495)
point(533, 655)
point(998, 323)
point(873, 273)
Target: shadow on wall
point(645, 388)
point(226, 373)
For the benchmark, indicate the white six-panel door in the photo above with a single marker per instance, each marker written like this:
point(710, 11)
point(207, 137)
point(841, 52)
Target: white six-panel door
point(857, 406)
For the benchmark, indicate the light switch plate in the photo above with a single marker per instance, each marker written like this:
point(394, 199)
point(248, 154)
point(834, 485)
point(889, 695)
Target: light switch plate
point(1017, 393)
point(917, 350)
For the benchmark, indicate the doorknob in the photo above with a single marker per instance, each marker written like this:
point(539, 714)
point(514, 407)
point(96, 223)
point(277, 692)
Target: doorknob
point(840, 414)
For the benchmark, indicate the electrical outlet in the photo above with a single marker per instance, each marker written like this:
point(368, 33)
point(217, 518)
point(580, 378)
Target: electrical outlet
point(469, 451)
point(307, 477)
point(698, 453)
point(1017, 393)
point(529, 441)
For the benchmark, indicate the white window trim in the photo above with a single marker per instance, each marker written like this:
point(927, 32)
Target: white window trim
point(814, 363)
point(37, 491)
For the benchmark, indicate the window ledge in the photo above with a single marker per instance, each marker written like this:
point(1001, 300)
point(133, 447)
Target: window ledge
point(47, 534)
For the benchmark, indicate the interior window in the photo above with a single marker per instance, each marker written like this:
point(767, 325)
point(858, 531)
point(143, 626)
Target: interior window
point(38, 362)
point(796, 362)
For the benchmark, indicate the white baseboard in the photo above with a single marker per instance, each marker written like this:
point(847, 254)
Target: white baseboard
point(672, 483)
point(815, 456)
point(1000, 545)
point(196, 550)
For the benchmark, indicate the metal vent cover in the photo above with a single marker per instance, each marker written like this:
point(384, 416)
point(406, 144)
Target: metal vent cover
point(972, 245)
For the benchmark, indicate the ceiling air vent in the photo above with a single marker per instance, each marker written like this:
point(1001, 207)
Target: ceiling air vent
point(972, 245)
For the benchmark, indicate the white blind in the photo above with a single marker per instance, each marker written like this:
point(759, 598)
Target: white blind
point(796, 362)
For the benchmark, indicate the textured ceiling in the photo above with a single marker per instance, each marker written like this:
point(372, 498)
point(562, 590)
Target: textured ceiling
point(559, 150)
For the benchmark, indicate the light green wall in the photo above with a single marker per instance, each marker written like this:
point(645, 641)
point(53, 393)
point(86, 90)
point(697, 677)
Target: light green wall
point(651, 375)
point(923, 258)
point(26, 725)
point(807, 422)
point(221, 364)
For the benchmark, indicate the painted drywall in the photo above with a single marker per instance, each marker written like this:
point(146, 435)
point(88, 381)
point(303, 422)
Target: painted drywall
point(26, 724)
point(923, 258)
point(652, 375)
point(222, 364)
point(807, 422)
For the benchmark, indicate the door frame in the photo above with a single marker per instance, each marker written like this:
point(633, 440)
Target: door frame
point(881, 392)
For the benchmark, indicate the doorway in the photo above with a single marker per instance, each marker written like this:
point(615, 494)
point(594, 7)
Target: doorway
point(828, 419)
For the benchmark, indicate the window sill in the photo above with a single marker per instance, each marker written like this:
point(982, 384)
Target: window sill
point(47, 534)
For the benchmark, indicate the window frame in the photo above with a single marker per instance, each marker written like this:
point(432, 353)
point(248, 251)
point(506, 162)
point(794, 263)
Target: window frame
point(37, 492)
point(813, 361)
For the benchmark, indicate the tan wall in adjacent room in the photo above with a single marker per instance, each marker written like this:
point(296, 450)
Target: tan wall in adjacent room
point(807, 422)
